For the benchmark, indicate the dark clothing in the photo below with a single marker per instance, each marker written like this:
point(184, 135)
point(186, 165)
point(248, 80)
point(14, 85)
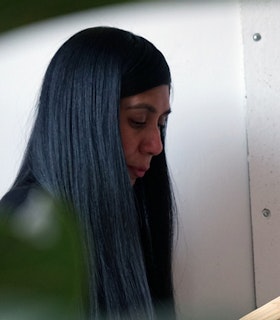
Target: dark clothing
point(14, 198)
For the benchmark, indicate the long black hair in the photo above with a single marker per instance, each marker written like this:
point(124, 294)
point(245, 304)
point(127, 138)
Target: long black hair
point(75, 152)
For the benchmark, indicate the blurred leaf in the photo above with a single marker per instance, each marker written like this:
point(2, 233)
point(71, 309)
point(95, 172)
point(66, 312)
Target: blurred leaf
point(16, 13)
point(40, 261)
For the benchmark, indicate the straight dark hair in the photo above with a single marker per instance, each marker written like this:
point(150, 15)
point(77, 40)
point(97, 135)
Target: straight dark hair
point(75, 153)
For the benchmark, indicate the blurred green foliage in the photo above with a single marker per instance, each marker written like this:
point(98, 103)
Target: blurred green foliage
point(41, 266)
point(16, 13)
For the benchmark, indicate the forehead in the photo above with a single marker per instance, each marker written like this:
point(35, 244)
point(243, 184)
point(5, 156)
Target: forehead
point(155, 100)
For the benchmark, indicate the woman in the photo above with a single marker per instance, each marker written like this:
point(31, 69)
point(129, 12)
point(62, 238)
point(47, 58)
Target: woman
point(98, 144)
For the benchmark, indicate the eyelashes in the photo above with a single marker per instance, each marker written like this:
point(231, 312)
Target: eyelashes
point(163, 122)
point(137, 124)
point(141, 124)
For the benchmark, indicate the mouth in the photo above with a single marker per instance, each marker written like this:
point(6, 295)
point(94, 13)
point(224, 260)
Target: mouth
point(136, 172)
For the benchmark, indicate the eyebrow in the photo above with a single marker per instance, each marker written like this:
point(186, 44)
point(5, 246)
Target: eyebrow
point(148, 107)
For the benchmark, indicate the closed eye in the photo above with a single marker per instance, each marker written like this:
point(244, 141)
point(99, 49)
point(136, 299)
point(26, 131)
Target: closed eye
point(137, 124)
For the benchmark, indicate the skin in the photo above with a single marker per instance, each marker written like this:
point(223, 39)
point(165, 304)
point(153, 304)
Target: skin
point(142, 117)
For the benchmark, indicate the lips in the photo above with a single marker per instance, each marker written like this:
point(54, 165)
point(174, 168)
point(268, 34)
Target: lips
point(137, 172)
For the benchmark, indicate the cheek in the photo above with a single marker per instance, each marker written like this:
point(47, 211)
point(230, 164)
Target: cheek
point(130, 144)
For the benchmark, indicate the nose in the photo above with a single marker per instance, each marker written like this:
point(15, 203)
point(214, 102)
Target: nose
point(152, 143)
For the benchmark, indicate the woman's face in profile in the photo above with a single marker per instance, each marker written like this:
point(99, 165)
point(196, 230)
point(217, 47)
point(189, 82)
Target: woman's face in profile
point(142, 117)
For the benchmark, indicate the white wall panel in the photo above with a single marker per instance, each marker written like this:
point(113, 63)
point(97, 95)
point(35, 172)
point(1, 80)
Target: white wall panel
point(208, 154)
point(262, 66)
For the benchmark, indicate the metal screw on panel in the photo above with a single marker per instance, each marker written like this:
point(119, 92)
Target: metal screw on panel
point(266, 213)
point(257, 37)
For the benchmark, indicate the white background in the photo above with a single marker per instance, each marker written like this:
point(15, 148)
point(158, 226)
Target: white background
point(207, 141)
